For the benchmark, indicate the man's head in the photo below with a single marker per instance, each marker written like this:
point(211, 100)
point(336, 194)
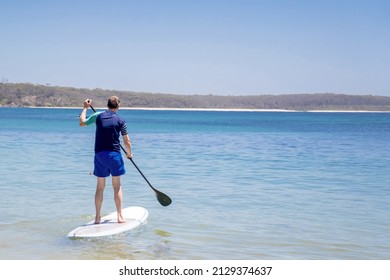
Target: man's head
point(113, 102)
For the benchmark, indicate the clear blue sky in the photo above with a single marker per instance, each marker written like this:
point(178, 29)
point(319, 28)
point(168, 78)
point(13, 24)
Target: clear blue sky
point(241, 47)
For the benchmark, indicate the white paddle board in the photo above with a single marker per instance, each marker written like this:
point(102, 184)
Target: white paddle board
point(135, 216)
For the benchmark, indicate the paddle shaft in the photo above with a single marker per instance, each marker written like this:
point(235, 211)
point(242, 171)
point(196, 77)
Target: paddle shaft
point(140, 172)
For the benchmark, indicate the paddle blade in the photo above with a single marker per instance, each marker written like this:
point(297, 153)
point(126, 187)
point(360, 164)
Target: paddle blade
point(163, 198)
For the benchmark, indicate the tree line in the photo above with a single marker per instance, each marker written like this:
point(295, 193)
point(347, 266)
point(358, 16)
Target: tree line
point(33, 95)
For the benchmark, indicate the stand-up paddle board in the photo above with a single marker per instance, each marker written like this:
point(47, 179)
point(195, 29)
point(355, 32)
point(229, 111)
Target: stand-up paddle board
point(135, 216)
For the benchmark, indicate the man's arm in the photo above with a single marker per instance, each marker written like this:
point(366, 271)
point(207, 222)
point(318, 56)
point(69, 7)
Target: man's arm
point(127, 142)
point(83, 115)
point(84, 121)
point(92, 118)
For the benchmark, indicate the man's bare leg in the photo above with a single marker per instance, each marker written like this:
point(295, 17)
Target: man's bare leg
point(101, 184)
point(116, 184)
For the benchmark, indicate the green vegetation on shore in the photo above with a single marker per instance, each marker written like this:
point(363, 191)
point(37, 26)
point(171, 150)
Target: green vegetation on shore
point(32, 95)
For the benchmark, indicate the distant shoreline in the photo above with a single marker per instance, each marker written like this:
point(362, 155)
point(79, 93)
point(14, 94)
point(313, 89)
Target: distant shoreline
point(28, 95)
point(215, 110)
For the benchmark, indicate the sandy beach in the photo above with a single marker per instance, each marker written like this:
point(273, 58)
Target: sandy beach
point(222, 109)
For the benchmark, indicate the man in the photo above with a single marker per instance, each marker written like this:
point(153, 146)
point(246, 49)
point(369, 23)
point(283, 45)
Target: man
point(108, 158)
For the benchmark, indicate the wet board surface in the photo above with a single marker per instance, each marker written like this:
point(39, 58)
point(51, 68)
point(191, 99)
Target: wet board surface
point(135, 216)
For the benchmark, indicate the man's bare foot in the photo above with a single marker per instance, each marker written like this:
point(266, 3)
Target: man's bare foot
point(97, 220)
point(120, 219)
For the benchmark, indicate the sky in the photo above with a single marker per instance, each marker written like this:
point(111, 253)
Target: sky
point(220, 47)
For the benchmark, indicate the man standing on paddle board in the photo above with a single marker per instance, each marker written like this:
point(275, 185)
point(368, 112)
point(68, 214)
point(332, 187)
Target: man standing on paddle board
point(108, 158)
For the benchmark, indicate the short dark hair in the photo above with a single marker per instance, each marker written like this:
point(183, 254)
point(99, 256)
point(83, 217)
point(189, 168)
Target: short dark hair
point(113, 102)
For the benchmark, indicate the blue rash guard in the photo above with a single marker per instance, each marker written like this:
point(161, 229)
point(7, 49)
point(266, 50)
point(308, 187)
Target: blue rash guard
point(108, 159)
point(109, 126)
point(116, 120)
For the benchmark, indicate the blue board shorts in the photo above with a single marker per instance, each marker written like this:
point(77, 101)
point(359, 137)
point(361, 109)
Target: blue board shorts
point(108, 163)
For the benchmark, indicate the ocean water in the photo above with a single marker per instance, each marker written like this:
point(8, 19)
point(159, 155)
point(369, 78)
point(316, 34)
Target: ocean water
point(244, 185)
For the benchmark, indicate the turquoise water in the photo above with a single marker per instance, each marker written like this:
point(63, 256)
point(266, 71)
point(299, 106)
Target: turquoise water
point(244, 185)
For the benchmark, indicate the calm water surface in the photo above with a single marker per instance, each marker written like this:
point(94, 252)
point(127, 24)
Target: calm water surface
point(245, 185)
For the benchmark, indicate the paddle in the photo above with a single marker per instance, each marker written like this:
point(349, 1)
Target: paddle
point(161, 197)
